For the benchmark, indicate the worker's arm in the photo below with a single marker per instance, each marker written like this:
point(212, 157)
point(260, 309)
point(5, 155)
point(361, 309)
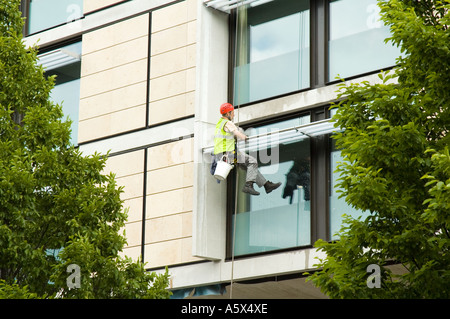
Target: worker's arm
point(237, 131)
point(240, 135)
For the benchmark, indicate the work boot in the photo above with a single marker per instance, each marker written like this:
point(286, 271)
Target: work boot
point(269, 186)
point(248, 188)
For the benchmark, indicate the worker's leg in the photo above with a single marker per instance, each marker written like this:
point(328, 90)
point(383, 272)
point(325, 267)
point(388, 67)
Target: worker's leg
point(250, 164)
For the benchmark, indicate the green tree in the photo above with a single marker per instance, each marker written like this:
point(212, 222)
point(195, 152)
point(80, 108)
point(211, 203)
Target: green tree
point(395, 144)
point(56, 206)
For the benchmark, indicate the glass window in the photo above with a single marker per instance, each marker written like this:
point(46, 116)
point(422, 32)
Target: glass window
point(356, 39)
point(66, 65)
point(44, 14)
point(272, 50)
point(282, 218)
point(338, 206)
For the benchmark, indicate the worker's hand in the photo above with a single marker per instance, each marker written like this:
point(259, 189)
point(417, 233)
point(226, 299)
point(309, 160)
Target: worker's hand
point(239, 135)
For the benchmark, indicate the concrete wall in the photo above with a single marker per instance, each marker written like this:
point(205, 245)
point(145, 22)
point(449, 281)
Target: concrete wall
point(129, 170)
point(169, 197)
point(172, 69)
point(137, 92)
point(114, 79)
point(116, 76)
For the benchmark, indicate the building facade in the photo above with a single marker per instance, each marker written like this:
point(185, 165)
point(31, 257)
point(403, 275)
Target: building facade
point(143, 80)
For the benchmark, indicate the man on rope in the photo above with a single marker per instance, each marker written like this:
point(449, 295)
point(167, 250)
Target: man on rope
point(224, 144)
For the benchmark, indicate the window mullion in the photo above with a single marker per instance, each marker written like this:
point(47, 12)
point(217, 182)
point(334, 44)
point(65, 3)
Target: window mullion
point(318, 43)
point(319, 182)
point(319, 194)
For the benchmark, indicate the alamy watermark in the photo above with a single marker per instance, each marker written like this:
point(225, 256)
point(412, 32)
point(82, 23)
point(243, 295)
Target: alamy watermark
point(74, 15)
point(374, 279)
point(74, 279)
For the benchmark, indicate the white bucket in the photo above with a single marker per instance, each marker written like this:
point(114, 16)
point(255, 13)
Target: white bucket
point(222, 169)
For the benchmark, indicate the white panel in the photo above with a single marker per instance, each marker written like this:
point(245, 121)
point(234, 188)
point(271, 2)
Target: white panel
point(247, 268)
point(57, 58)
point(209, 215)
point(227, 5)
point(167, 132)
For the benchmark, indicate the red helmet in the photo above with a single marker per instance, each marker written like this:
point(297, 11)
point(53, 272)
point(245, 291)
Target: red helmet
point(225, 108)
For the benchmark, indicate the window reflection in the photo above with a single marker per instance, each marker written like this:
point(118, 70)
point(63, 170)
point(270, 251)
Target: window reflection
point(44, 14)
point(67, 88)
point(338, 206)
point(282, 218)
point(272, 50)
point(356, 39)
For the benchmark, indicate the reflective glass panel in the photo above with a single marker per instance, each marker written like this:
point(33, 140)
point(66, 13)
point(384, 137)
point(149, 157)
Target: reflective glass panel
point(338, 206)
point(356, 39)
point(280, 219)
point(45, 14)
point(272, 50)
point(67, 88)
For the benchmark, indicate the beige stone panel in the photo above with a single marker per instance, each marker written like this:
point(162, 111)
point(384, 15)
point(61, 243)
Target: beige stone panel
point(134, 207)
point(170, 202)
point(173, 38)
point(163, 253)
point(173, 61)
point(178, 14)
point(168, 227)
point(133, 233)
point(191, 52)
point(167, 86)
point(92, 5)
point(169, 253)
point(131, 252)
point(133, 186)
point(170, 178)
point(112, 79)
point(170, 154)
point(172, 84)
point(168, 63)
point(114, 34)
point(186, 250)
point(174, 107)
point(115, 56)
point(186, 224)
point(190, 79)
point(113, 101)
point(191, 32)
point(190, 103)
point(110, 124)
point(125, 164)
point(192, 9)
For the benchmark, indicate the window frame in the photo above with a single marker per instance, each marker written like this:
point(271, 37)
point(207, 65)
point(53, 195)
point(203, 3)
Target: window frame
point(319, 53)
point(232, 58)
point(55, 46)
point(320, 149)
point(25, 9)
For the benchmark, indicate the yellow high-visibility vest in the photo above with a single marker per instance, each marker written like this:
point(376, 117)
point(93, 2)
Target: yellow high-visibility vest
point(223, 141)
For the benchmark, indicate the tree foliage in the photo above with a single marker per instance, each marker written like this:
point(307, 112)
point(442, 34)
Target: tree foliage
point(56, 206)
point(395, 143)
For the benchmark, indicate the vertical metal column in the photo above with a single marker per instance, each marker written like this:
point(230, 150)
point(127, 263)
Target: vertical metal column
point(319, 37)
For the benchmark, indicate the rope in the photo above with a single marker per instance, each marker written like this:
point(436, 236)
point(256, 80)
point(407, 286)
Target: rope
point(239, 36)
